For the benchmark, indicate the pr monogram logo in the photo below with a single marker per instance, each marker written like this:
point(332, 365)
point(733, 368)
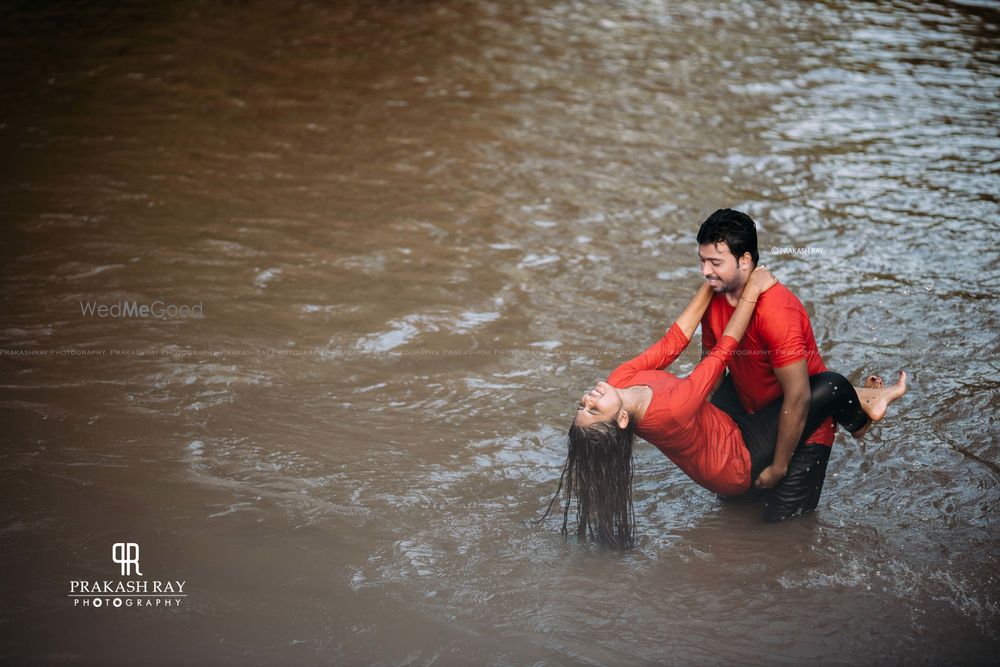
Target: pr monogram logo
point(126, 554)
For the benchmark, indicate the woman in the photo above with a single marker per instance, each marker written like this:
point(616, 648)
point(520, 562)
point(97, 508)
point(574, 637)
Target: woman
point(672, 413)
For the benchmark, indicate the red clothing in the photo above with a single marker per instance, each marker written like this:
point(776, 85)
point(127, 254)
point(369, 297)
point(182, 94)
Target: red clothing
point(779, 334)
point(701, 439)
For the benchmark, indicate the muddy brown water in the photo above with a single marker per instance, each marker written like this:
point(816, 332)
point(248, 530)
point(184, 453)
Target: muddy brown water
point(415, 232)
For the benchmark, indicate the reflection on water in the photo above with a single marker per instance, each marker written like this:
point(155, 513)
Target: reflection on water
point(417, 230)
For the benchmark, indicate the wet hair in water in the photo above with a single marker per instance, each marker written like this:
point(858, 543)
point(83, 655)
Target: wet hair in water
point(598, 471)
point(736, 228)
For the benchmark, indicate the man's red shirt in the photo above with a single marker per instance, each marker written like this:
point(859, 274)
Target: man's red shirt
point(779, 334)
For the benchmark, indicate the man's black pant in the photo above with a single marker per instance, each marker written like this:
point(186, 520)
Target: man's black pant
point(799, 490)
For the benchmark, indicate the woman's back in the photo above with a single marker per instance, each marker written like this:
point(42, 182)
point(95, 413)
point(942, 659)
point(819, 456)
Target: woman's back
point(700, 439)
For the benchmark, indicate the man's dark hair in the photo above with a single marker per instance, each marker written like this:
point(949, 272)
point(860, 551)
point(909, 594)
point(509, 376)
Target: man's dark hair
point(736, 228)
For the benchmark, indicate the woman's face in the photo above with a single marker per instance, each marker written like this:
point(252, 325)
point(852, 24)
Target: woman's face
point(603, 403)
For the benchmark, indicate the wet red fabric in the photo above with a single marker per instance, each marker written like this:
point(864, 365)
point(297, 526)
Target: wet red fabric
point(702, 440)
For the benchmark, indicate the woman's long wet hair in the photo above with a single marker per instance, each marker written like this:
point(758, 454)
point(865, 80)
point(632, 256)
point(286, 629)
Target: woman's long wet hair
point(598, 470)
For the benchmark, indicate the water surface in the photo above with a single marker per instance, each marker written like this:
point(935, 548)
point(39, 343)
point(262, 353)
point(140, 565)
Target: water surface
point(417, 231)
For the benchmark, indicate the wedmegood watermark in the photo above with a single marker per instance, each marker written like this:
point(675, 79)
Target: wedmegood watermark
point(127, 592)
point(158, 309)
point(791, 250)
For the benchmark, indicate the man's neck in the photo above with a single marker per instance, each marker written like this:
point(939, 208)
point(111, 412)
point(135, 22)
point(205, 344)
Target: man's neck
point(734, 297)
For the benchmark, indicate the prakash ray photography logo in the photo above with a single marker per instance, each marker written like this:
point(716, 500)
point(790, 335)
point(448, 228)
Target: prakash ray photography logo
point(127, 592)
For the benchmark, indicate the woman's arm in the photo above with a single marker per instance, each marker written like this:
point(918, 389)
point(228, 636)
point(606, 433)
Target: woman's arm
point(689, 395)
point(760, 281)
point(690, 317)
point(663, 352)
point(658, 356)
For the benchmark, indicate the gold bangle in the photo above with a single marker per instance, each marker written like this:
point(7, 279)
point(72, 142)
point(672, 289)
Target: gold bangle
point(748, 300)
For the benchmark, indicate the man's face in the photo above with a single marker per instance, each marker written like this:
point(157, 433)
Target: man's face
point(720, 268)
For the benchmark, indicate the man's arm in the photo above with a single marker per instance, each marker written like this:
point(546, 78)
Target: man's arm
point(794, 381)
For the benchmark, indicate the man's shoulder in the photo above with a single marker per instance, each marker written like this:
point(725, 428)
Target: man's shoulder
point(777, 298)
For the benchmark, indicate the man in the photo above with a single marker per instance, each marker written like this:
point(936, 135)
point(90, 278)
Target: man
point(775, 359)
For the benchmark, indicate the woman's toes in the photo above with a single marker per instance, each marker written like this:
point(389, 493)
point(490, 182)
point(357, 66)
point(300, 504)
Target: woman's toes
point(874, 382)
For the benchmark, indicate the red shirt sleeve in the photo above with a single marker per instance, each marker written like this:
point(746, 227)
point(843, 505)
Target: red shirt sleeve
point(687, 396)
point(708, 340)
point(784, 336)
point(660, 354)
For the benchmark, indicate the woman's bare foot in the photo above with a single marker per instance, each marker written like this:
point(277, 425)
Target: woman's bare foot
point(875, 400)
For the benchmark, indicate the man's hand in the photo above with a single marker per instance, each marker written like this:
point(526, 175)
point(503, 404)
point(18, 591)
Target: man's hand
point(769, 477)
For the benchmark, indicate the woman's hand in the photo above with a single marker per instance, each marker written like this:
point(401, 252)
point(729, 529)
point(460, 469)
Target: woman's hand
point(759, 282)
